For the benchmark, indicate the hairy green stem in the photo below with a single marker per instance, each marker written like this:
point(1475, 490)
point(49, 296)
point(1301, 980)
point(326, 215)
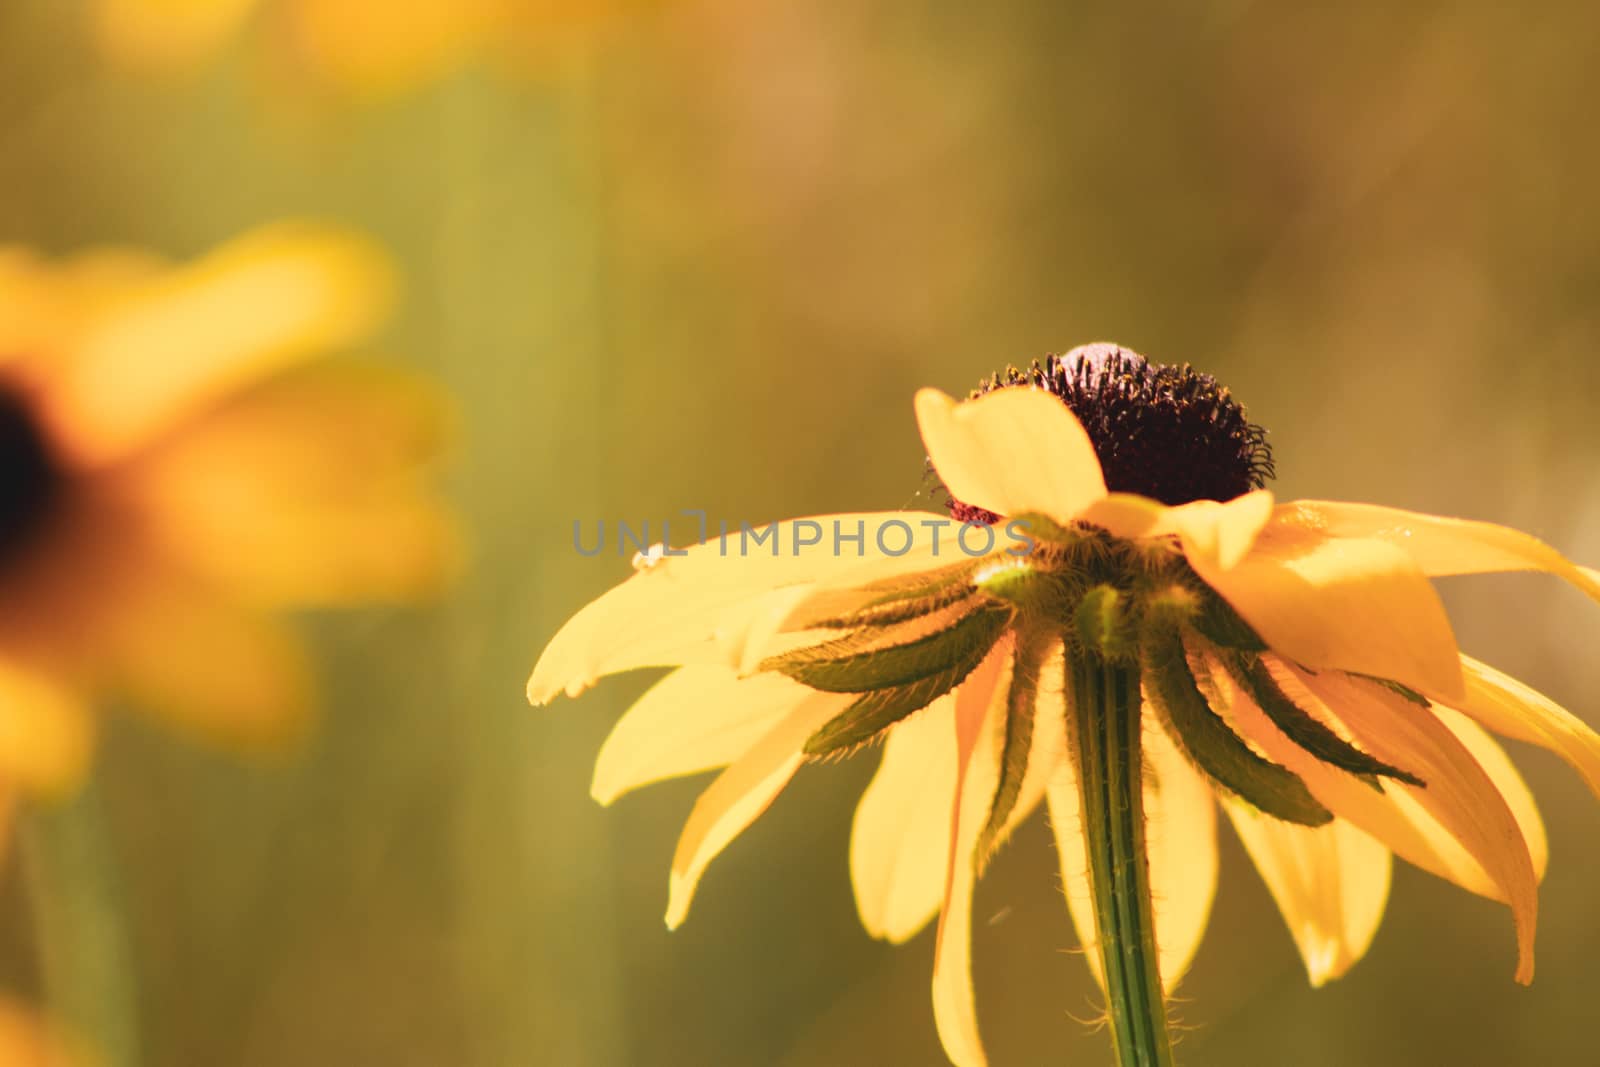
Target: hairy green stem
point(84, 954)
point(1106, 743)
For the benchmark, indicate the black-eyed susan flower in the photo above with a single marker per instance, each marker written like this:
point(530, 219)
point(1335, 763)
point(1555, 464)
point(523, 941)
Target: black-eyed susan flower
point(180, 457)
point(1131, 628)
point(351, 47)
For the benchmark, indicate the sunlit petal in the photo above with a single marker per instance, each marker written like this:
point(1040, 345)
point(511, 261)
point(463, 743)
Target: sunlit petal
point(1221, 534)
point(977, 774)
point(739, 795)
point(901, 835)
point(1180, 839)
point(1011, 451)
point(1440, 545)
point(1507, 780)
point(695, 719)
point(1515, 710)
point(1459, 793)
point(722, 601)
point(901, 832)
point(1330, 883)
point(1391, 816)
point(1356, 604)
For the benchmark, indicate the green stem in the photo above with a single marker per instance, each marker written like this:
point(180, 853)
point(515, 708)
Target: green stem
point(78, 922)
point(1106, 740)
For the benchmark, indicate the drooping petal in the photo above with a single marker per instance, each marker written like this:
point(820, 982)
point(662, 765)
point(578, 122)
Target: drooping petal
point(1459, 793)
point(1392, 816)
point(46, 731)
point(723, 600)
point(1011, 451)
point(695, 719)
point(1330, 883)
point(1220, 533)
point(977, 773)
point(198, 333)
point(308, 490)
point(1355, 604)
point(900, 839)
point(1180, 839)
point(1507, 780)
point(1440, 545)
point(901, 832)
point(738, 796)
point(1515, 710)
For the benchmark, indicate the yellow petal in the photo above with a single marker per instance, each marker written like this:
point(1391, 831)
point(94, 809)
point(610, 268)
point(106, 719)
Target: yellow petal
point(723, 600)
point(1355, 604)
point(264, 302)
point(1515, 710)
point(1011, 451)
point(167, 34)
point(1219, 533)
point(1390, 815)
point(206, 664)
point(1507, 780)
point(901, 830)
point(1440, 545)
point(695, 719)
point(1180, 841)
point(46, 731)
point(902, 826)
point(309, 489)
point(1459, 794)
point(955, 1012)
point(1330, 883)
point(740, 794)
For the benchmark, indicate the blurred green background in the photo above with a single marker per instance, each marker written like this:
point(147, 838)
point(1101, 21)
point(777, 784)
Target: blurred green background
point(702, 259)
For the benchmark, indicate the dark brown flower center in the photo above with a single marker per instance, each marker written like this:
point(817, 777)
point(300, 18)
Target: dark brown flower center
point(1169, 433)
point(30, 476)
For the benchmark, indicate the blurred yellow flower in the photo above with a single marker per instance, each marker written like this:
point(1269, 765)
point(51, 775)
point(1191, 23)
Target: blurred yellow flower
point(179, 457)
point(1126, 626)
point(25, 1041)
point(362, 47)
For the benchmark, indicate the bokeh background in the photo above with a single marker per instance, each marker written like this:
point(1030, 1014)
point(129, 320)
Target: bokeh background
point(699, 255)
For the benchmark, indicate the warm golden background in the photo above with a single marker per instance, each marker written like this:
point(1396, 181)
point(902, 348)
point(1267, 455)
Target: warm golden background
point(700, 256)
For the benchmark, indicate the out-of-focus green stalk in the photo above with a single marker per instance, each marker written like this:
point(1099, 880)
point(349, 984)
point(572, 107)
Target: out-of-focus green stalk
point(73, 892)
point(1106, 741)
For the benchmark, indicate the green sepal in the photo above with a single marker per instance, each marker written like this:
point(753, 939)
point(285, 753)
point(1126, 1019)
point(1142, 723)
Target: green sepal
point(1218, 623)
point(906, 602)
point(1019, 581)
point(1299, 726)
point(1213, 745)
point(1103, 624)
point(1017, 745)
point(1040, 527)
point(874, 712)
point(845, 666)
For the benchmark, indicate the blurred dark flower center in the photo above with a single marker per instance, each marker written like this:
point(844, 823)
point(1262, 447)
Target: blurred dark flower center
point(1169, 433)
point(29, 474)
